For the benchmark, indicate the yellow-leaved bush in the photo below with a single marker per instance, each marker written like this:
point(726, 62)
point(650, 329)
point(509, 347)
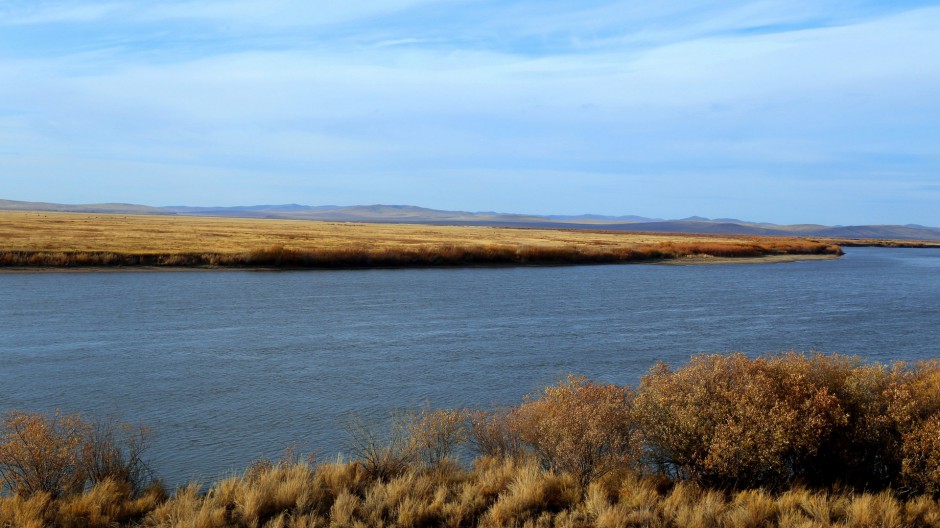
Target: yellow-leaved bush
point(579, 427)
point(732, 421)
point(63, 454)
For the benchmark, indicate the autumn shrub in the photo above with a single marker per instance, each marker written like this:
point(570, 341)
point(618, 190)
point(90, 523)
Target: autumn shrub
point(821, 420)
point(725, 441)
point(491, 434)
point(115, 451)
point(382, 455)
point(579, 427)
point(42, 453)
point(920, 471)
point(862, 450)
point(436, 435)
point(913, 395)
point(731, 421)
point(63, 454)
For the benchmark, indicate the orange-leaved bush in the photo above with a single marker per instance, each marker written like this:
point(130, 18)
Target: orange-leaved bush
point(437, 434)
point(579, 427)
point(42, 453)
point(921, 463)
point(491, 434)
point(731, 421)
point(63, 454)
point(914, 408)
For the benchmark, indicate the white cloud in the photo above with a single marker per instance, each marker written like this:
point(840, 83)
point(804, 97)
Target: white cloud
point(44, 12)
point(684, 97)
point(276, 12)
point(243, 13)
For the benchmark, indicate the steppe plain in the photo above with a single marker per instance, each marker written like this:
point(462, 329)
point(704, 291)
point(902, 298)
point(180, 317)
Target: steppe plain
point(82, 240)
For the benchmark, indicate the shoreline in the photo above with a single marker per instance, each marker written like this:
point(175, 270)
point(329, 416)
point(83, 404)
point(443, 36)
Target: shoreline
point(698, 260)
point(768, 259)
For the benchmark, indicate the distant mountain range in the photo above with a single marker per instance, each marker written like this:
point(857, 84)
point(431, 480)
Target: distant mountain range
point(419, 215)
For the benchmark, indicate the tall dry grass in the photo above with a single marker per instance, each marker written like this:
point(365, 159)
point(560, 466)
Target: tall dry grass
point(494, 493)
point(446, 255)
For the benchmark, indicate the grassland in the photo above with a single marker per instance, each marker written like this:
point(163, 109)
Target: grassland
point(74, 240)
point(726, 441)
point(878, 242)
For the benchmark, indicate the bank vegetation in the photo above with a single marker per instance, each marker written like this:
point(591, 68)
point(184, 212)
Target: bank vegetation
point(790, 440)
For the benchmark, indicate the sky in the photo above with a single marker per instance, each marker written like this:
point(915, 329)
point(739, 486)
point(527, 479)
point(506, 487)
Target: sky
point(785, 111)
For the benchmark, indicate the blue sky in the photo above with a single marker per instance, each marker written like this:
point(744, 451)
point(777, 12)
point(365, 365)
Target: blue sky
point(786, 111)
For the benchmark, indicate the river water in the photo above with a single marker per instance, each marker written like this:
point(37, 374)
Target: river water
point(228, 366)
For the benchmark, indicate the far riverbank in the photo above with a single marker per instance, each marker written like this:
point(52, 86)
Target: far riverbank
point(98, 241)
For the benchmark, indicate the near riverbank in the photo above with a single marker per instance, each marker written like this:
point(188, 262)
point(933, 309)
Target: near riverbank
point(788, 440)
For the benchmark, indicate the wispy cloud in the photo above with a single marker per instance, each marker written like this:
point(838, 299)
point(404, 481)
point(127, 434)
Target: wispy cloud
point(730, 98)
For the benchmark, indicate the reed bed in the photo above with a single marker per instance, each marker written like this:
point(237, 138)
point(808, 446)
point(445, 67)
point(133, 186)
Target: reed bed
point(71, 240)
point(789, 440)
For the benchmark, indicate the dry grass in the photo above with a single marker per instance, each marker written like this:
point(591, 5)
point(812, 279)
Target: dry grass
point(81, 240)
point(496, 493)
point(877, 242)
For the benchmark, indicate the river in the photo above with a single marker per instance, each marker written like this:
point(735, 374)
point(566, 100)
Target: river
point(228, 366)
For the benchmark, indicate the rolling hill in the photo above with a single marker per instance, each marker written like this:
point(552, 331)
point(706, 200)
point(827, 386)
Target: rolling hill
point(409, 214)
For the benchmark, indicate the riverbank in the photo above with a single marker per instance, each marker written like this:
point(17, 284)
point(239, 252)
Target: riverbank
point(693, 260)
point(783, 440)
point(73, 240)
point(704, 260)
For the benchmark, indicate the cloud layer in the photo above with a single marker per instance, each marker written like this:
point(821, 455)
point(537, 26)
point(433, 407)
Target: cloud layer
point(777, 111)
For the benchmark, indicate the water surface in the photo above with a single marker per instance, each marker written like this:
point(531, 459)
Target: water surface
point(231, 365)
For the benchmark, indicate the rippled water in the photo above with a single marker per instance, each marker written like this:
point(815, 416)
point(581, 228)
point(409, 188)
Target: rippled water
point(228, 366)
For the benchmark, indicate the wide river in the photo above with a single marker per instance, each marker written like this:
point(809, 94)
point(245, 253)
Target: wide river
point(232, 365)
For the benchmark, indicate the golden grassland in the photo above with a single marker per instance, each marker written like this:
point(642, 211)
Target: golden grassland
point(788, 440)
point(878, 242)
point(46, 239)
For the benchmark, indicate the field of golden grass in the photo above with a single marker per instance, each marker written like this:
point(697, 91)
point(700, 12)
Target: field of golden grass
point(45, 239)
point(878, 242)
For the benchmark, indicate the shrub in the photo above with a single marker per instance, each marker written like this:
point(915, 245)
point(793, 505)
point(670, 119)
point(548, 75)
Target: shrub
point(435, 435)
point(382, 457)
point(491, 434)
point(732, 421)
point(913, 395)
point(862, 450)
point(579, 427)
point(63, 454)
point(115, 451)
point(40, 453)
point(921, 464)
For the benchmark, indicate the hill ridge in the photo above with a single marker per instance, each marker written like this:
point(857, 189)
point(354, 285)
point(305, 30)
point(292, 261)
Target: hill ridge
point(391, 213)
